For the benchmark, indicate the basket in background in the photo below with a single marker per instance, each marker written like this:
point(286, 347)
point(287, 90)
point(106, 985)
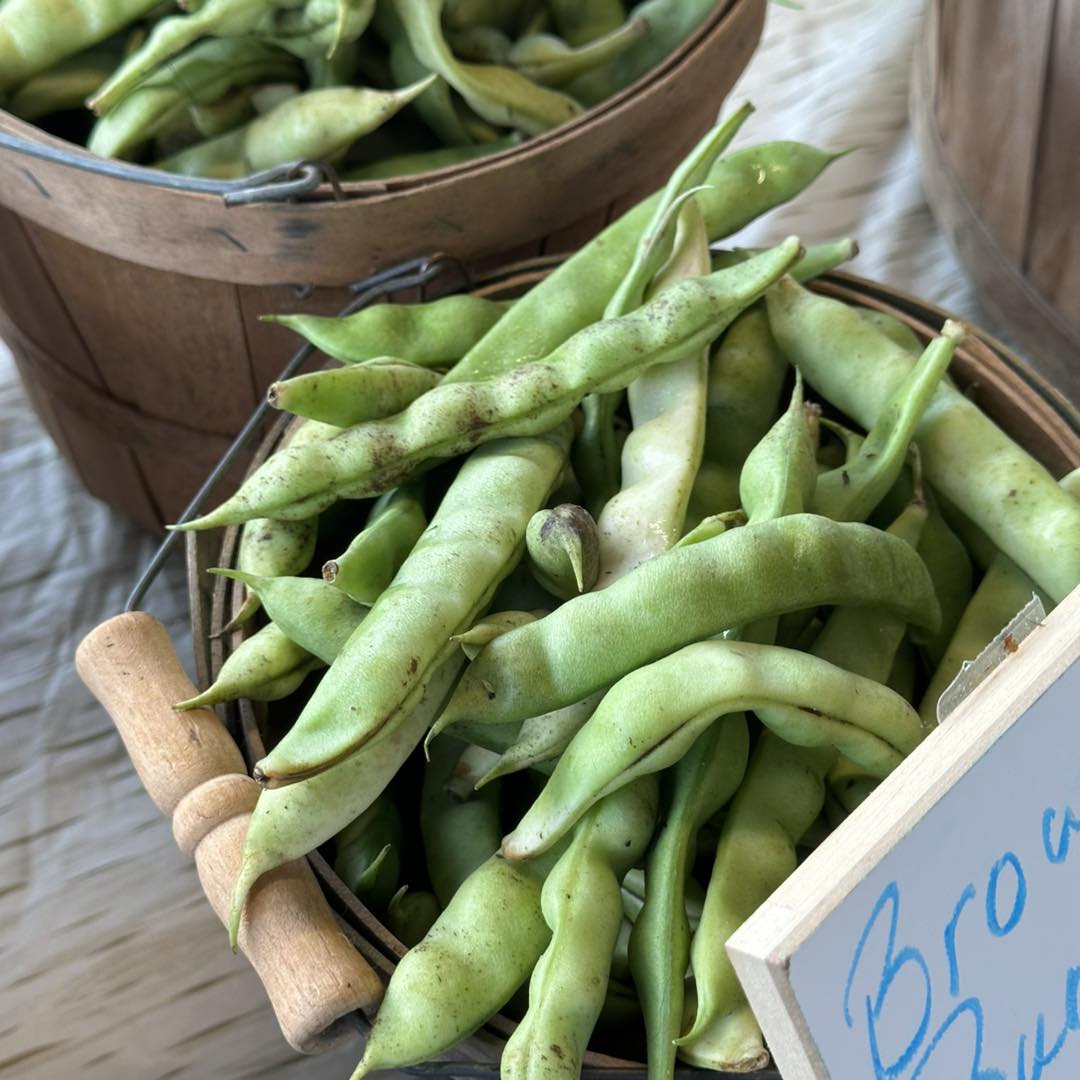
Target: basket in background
point(132, 310)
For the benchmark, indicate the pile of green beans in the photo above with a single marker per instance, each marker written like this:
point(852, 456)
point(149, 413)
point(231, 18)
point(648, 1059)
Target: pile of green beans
point(623, 723)
point(378, 88)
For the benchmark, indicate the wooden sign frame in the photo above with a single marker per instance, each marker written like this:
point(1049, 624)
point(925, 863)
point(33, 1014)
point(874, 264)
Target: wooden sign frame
point(763, 948)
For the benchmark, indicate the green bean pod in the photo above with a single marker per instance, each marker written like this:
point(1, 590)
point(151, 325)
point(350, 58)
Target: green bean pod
point(533, 398)
point(564, 550)
point(318, 617)
point(411, 914)
point(432, 335)
point(1003, 591)
point(746, 374)
point(748, 573)
point(318, 125)
point(480, 950)
point(669, 22)
point(850, 492)
point(817, 259)
point(739, 188)
point(651, 718)
point(350, 395)
point(702, 783)
point(777, 802)
point(201, 76)
point(369, 564)
point(458, 834)
point(580, 23)
point(994, 481)
point(582, 905)
point(542, 738)
point(33, 40)
point(269, 548)
point(490, 627)
point(368, 853)
point(596, 453)
point(551, 61)
point(64, 85)
point(950, 569)
point(896, 331)
point(473, 541)
point(289, 822)
point(436, 106)
point(661, 455)
point(500, 95)
point(264, 667)
point(480, 44)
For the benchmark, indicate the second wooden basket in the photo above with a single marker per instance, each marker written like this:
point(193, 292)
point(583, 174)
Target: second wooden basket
point(1005, 388)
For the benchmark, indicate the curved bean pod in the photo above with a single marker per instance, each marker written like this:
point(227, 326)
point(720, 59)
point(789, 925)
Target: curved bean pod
point(702, 782)
point(264, 667)
point(350, 395)
point(778, 801)
point(661, 455)
point(1003, 591)
point(542, 738)
point(32, 41)
point(458, 834)
point(368, 565)
point(850, 492)
point(551, 61)
point(965, 455)
point(564, 550)
point(746, 374)
point(432, 335)
point(480, 950)
point(582, 905)
point(62, 86)
point(292, 821)
point(532, 398)
point(411, 914)
point(368, 853)
point(500, 95)
point(201, 76)
point(318, 617)
point(649, 719)
point(317, 125)
point(740, 187)
point(746, 573)
point(473, 541)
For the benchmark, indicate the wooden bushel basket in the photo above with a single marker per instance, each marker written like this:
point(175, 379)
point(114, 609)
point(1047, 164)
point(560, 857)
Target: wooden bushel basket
point(995, 109)
point(1004, 387)
point(132, 309)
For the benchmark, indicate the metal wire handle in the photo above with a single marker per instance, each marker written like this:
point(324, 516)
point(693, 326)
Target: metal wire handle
point(291, 180)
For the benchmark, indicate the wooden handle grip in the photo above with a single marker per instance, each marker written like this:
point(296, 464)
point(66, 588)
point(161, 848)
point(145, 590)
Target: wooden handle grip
point(194, 772)
point(313, 975)
point(131, 667)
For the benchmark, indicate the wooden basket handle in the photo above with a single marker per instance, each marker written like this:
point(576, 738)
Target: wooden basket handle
point(194, 772)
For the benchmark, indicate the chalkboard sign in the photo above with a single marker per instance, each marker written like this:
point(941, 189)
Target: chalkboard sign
point(936, 935)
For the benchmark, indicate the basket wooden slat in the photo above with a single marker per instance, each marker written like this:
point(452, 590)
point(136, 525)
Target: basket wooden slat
point(993, 108)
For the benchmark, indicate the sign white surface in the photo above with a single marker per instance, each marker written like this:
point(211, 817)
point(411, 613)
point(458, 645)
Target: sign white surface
point(937, 935)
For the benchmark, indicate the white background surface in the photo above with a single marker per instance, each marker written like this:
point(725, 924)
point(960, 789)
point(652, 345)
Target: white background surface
point(111, 963)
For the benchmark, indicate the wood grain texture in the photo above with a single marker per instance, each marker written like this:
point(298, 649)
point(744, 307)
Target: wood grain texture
point(1052, 253)
point(991, 61)
point(169, 345)
point(521, 193)
point(994, 101)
